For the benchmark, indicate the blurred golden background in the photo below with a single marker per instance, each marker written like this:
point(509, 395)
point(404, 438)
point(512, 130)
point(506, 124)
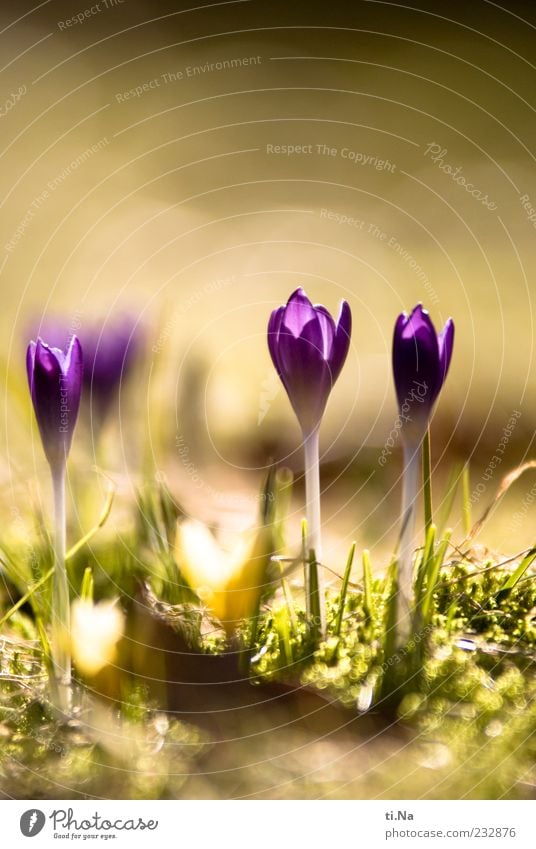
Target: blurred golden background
point(191, 166)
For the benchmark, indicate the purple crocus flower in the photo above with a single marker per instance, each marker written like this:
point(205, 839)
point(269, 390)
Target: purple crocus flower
point(55, 379)
point(421, 360)
point(308, 350)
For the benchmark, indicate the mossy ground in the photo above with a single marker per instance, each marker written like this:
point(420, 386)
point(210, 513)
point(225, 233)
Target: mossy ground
point(451, 716)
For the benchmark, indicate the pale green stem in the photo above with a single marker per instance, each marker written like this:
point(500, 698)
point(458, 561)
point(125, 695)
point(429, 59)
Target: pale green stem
point(427, 480)
point(60, 610)
point(412, 456)
point(312, 512)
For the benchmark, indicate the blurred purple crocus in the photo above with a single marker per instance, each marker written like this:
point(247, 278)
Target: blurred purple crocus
point(55, 380)
point(308, 349)
point(421, 359)
point(109, 353)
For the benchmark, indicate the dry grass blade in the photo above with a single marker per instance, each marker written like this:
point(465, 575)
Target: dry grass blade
point(505, 485)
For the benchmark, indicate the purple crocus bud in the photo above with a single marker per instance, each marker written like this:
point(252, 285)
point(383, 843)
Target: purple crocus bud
point(421, 360)
point(308, 350)
point(55, 380)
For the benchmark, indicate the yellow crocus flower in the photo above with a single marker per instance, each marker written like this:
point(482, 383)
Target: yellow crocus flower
point(229, 583)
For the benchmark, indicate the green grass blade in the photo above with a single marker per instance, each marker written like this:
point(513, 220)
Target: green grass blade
point(314, 598)
point(517, 574)
point(344, 590)
point(431, 580)
point(391, 613)
point(107, 509)
point(367, 587)
point(86, 591)
point(426, 564)
point(47, 653)
point(289, 601)
point(26, 597)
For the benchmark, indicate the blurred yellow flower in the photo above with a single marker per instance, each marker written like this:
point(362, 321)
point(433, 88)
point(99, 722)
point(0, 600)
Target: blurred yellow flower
point(95, 631)
point(229, 583)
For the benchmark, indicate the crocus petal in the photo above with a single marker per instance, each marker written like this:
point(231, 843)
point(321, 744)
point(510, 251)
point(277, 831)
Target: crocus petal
point(298, 312)
point(328, 329)
point(446, 344)
point(30, 364)
point(96, 630)
point(307, 378)
point(73, 371)
point(203, 563)
point(46, 359)
point(400, 324)
point(274, 325)
point(341, 342)
point(299, 358)
point(420, 331)
point(315, 332)
point(418, 322)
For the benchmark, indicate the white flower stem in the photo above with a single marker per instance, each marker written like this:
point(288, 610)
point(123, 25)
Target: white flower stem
point(60, 610)
point(312, 512)
point(412, 457)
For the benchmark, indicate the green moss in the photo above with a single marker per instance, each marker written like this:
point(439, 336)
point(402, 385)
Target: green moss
point(461, 697)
